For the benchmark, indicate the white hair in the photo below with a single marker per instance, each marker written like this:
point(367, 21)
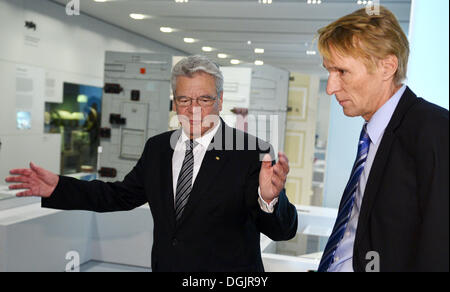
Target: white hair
point(197, 63)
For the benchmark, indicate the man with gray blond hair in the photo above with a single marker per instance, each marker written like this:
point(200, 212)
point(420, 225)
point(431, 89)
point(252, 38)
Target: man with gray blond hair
point(393, 215)
point(209, 198)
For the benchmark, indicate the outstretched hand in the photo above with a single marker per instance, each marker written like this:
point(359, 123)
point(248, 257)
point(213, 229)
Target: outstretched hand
point(35, 181)
point(273, 178)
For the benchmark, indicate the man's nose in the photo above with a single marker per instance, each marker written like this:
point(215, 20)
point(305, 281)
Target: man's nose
point(195, 110)
point(333, 84)
point(194, 107)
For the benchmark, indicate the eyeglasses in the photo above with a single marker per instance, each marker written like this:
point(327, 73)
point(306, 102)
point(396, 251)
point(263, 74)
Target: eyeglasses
point(203, 101)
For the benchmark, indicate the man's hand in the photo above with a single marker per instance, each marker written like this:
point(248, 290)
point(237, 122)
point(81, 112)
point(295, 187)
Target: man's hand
point(35, 180)
point(273, 178)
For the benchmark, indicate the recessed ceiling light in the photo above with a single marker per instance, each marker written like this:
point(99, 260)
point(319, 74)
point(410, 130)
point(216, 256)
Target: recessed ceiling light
point(249, 42)
point(235, 62)
point(311, 53)
point(166, 29)
point(259, 51)
point(138, 16)
point(207, 49)
point(100, 0)
point(259, 63)
point(222, 56)
point(189, 40)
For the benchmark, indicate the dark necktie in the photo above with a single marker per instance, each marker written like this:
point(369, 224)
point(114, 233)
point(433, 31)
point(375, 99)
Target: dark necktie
point(347, 202)
point(184, 184)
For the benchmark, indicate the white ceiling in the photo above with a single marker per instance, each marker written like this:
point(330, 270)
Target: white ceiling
point(285, 29)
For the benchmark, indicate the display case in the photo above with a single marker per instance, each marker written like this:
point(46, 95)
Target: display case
point(77, 119)
point(303, 252)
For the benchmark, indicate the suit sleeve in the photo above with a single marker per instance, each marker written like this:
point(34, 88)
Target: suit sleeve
point(279, 225)
point(432, 162)
point(98, 196)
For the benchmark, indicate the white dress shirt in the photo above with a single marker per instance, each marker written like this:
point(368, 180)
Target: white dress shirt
point(199, 153)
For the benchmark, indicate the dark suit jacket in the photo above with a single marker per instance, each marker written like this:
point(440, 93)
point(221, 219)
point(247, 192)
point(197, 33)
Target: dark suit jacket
point(404, 213)
point(220, 227)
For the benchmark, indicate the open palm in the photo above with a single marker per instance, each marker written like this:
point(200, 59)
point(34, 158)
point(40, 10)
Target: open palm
point(35, 181)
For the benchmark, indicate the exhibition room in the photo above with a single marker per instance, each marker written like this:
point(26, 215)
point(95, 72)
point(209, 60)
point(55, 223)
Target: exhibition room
point(91, 90)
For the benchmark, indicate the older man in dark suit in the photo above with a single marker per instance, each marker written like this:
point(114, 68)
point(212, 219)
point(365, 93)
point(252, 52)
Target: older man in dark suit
point(209, 190)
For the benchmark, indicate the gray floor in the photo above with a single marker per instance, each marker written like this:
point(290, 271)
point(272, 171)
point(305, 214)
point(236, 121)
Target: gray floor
point(95, 266)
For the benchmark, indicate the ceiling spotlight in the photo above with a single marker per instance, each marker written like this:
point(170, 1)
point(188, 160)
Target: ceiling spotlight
point(222, 56)
point(181, 1)
point(249, 42)
point(259, 63)
point(207, 49)
point(314, 2)
point(138, 16)
point(166, 29)
point(189, 40)
point(235, 62)
point(311, 53)
point(100, 0)
point(259, 51)
point(265, 1)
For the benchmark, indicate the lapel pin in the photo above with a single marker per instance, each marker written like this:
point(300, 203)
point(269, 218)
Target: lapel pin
point(217, 158)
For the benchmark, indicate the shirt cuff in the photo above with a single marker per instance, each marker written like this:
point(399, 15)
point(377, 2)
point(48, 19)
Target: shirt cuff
point(266, 207)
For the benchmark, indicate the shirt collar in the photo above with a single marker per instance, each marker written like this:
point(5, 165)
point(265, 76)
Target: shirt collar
point(380, 120)
point(204, 140)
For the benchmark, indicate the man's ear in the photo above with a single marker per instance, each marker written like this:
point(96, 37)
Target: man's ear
point(389, 66)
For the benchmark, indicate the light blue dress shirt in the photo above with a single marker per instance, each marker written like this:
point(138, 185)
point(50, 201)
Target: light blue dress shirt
point(343, 258)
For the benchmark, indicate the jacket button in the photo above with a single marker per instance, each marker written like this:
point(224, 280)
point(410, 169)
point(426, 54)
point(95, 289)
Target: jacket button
point(174, 242)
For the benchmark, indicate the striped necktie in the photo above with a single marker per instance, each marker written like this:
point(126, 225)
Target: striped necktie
point(184, 183)
point(347, 201)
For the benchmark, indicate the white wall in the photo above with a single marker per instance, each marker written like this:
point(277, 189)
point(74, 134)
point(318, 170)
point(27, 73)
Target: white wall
point(323, 112)
point(63, 48)
point(341, 153)
point(428, 62)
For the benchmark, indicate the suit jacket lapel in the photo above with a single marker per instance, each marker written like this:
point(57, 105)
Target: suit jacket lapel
point(213, 162)
point(381, 160)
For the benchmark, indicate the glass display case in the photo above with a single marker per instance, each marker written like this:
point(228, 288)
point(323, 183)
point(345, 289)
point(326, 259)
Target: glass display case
point(303, 252)
point(78, 120)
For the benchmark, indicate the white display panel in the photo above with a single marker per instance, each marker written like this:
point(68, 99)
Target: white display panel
point(268, 104)
point(262, 91)
point(236, 91)
point(144, 115)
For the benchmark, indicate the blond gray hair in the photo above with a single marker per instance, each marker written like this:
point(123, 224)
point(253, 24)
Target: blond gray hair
point(369, 37)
